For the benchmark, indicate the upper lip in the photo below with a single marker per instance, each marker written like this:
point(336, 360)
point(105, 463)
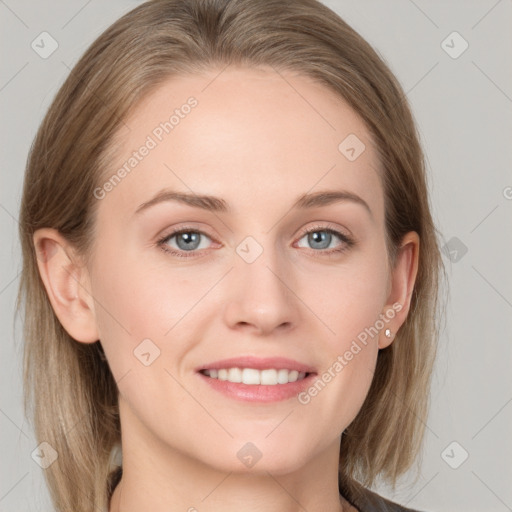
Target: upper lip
point(258, 363)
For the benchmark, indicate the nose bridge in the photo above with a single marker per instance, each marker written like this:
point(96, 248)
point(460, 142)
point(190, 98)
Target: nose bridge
point(261, 294)
point(262, 268)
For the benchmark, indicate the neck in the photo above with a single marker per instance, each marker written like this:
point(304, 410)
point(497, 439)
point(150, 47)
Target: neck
point(160, 478)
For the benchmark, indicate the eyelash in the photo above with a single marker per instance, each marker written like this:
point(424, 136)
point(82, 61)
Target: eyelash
point(348, 241)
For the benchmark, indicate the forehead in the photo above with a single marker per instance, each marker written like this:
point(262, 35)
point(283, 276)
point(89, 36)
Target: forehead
point(246, 134)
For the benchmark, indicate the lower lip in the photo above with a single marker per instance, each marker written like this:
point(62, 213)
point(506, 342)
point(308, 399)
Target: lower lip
point(259, 393)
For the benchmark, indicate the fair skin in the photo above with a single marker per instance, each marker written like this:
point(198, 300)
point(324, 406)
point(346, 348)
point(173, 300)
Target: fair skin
point(253, 141)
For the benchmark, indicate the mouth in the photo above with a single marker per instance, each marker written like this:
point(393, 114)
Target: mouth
point(255, 377)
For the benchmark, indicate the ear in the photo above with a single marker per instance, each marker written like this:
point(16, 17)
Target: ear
point(403, 277)
point(67, 284)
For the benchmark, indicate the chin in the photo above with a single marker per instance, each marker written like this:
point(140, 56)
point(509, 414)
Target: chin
point(258, 458)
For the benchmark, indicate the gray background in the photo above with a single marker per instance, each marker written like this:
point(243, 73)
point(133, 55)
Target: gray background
point(463, 109)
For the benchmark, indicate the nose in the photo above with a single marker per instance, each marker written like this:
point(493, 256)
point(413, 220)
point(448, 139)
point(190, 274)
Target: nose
point(261, 296)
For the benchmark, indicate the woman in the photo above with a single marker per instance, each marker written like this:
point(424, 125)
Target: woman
point(230, 267)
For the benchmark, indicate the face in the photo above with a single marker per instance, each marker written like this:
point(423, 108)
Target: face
point(265, 280)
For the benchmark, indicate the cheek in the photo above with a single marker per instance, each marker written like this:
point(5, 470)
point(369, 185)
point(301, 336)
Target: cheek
point(351, 302)
point(350, 299)
point(126, 309)
point(137, 301)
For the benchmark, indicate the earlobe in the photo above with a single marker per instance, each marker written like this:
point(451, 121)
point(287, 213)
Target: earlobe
point(403, 279)
point(66, 284)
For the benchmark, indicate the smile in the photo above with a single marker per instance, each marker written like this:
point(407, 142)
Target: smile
point(254, 377)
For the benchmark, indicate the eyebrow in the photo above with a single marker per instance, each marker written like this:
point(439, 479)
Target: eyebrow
point(216, 204)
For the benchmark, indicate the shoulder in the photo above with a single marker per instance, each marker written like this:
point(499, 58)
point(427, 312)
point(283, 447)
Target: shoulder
point(368, 501)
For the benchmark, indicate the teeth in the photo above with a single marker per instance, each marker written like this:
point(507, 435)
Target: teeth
point(235, 375)
point(269, 377)
point(251, 376)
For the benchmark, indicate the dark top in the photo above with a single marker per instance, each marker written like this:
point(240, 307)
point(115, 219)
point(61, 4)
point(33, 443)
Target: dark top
point(368, 501)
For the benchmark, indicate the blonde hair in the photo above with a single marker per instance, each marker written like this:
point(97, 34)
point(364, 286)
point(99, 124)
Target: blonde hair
point(69, 390)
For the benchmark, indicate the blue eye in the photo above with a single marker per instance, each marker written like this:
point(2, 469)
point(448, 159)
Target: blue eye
point(321, 238)
point(186, 240)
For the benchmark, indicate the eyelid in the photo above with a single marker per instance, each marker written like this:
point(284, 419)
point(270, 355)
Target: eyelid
point(327, 226)
point(184, 229)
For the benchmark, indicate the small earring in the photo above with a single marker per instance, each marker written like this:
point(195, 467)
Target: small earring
point(387, 332)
